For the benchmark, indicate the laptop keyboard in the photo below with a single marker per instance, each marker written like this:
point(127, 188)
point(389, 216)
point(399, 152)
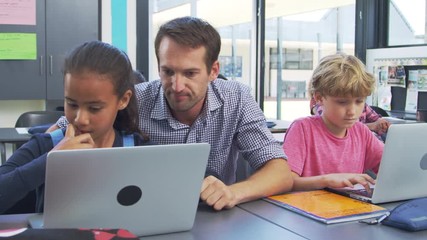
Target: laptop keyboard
point(363, 192)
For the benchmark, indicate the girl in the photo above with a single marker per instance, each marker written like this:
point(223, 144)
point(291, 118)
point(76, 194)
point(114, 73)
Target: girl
point(101, 108)
point(334, 149)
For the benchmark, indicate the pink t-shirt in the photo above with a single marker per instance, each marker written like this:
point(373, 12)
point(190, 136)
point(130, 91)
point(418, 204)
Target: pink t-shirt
point(312, 149)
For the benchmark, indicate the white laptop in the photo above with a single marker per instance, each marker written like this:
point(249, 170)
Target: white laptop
point(146, 190)
point(403, 169)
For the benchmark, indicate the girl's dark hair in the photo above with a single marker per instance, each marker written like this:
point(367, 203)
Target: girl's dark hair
point(105, 59)
point(191, 32)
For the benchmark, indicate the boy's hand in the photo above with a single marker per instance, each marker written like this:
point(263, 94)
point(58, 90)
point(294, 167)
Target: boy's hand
point(340, 180)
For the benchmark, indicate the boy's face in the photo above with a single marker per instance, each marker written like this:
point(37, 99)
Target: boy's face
point(340, 113)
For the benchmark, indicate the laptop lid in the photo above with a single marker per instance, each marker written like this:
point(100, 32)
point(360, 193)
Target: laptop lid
point(146, 189)
point(403, 168)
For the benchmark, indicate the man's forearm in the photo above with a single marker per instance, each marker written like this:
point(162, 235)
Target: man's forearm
point(273, 178)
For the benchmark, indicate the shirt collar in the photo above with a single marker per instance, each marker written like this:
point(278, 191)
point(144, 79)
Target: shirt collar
point(161, 109)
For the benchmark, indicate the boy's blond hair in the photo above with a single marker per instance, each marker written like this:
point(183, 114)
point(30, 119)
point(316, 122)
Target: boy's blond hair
point(341, 75)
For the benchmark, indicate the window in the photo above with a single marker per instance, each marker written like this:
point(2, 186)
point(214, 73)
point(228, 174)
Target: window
point(407, 22)
point(231, 67)
point(293, 58)
point(236, 32)
point(306, 31)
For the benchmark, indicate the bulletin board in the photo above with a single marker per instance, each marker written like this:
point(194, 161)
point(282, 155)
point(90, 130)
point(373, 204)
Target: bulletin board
point(401, 78)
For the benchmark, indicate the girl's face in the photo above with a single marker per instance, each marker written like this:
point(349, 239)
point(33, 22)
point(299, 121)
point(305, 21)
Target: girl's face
point(340, 113)
point(91, 105)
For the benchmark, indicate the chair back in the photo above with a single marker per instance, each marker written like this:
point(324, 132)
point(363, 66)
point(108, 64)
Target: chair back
point(422, 115)
point(36, 118)
point(37, 121)
point(31, 119)
point(380, 111)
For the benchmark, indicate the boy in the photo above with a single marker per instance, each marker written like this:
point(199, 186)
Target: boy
point(334, 149)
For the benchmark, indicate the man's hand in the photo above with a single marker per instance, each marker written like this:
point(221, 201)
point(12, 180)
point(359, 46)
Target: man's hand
point(70, 141)
point(216, 194)
point(272, 178)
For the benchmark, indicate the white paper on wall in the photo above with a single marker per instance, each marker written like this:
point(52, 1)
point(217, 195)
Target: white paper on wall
point(412, 92)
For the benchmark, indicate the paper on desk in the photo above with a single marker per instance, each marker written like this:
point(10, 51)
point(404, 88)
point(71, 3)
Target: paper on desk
point(22, 130)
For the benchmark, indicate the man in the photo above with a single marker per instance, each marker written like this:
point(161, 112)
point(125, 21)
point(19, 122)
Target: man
point(188, 104)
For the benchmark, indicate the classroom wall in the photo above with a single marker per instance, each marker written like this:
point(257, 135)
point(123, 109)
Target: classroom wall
point(119, 25)
point(10, 110)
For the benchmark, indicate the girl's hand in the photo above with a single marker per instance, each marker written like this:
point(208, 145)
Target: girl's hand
point(70, 141)
point(380, 126)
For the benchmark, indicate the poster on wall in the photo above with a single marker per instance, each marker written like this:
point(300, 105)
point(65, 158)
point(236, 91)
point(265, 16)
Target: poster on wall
point(422, 80)
point(396, 76)
point(384, 89)
point(384, 97)
point(383, 75)
point(18, 12)
point(412, 91)
point(18, 46)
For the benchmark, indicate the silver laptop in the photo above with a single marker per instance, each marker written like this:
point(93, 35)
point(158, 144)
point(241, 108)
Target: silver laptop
point(146, 190)
point(403, 169)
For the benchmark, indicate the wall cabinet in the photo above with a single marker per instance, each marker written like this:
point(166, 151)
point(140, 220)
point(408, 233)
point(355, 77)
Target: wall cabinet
point(60, 26)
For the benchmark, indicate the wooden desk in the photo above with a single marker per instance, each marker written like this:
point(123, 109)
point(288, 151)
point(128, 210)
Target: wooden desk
point(10, 135)
point(230, 224)
point(311, 229)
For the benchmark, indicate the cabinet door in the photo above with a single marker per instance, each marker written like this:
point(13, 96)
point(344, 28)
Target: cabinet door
point(68, 24)
point(25, 79)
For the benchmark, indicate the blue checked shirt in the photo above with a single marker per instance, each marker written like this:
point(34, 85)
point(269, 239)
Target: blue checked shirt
point(231, 122)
